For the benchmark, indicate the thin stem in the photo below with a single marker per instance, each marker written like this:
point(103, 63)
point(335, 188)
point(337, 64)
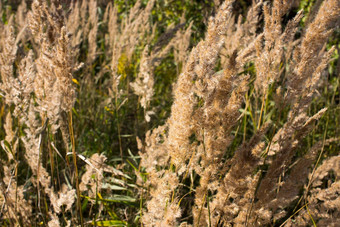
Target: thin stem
point(75, 167)
point(118, 127)
point(264, 98)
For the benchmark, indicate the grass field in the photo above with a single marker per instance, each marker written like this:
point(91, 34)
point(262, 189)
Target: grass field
point(169, 113)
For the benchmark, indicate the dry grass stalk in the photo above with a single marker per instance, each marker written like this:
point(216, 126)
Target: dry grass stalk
point(49, 77)
point(254, 183)
point(206, 108)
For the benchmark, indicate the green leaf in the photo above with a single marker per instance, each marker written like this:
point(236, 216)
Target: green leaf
point(8, 146)
point(115, 199)
point(112, 187)
point(109, 210)
point(75, 112)
point(120, 198)
point(109, 223)
point(84, 205)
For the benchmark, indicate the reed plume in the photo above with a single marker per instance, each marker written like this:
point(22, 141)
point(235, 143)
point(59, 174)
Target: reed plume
point(206, 110)
point(248, 138)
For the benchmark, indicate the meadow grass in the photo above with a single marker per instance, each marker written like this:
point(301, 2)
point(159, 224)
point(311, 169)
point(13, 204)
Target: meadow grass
point(169, 113)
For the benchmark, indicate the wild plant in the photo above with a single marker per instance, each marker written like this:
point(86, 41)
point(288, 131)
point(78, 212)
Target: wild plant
point(253, 183)
point(249, 136)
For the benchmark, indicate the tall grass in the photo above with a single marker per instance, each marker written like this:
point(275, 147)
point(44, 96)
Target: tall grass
point(113, 115)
